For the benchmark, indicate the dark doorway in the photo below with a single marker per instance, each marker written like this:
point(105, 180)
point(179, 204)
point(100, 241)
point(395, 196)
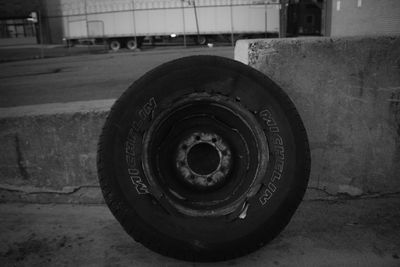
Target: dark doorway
point(304, 18)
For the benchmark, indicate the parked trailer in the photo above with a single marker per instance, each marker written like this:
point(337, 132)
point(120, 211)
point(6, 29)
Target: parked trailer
point(128, 22)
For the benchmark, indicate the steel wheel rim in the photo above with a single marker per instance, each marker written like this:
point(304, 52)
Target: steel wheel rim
point(230, 193)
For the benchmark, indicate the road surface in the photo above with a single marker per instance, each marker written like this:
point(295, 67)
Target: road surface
point(87, 77)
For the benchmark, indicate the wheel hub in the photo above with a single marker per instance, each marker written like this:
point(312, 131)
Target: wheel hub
point(203, 160)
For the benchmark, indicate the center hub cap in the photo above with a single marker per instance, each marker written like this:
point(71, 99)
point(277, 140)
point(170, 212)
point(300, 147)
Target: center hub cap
point(203, 160)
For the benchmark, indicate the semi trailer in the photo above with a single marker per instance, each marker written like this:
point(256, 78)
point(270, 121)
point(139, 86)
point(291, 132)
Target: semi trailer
point(126, 23)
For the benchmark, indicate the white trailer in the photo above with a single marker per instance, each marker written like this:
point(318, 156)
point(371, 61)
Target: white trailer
point(127, 22)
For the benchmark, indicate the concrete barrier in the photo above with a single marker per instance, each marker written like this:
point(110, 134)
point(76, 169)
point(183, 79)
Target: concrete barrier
point(346, 90)
point(348, 94)
point(49, 152)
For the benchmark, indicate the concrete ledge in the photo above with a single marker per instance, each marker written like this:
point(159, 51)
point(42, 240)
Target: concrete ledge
point(346, 90)
point(57, 108)
point(348, 93)
point(49, 152)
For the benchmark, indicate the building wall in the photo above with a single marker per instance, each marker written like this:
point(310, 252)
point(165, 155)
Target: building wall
point(14, 28)
point(20, 9)
point(17, 8)
point(364, 17)
point(53, 21)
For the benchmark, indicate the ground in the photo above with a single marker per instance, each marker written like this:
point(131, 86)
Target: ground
point(350, 232)
point(335, 232)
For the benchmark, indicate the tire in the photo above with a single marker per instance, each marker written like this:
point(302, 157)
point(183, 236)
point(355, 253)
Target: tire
point(201, 40)
point(115, 45)
point(203, 159)
point(131, 44)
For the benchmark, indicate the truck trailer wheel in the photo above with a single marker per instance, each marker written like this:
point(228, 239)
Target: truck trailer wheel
point(201, 40)
point(115, 45)
point(203, 159)
point(131, 44)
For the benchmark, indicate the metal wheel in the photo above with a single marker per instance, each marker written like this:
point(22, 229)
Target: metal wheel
point(205, 156)
point(201, 40)
point(131, 44)
point(115, 45)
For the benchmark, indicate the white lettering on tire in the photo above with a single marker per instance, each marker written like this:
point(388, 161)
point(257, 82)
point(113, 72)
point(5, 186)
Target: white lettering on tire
point(279, 152)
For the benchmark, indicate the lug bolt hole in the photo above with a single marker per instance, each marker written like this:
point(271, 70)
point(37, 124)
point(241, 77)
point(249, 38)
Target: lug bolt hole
point(214, 140)
point(209, 180)
point(184, 146)
point(197, 138)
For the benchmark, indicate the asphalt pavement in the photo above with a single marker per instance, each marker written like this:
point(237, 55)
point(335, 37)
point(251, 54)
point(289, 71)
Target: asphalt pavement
point(91, 76)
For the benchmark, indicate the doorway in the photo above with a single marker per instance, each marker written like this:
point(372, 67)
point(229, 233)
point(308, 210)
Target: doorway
point(304, 18)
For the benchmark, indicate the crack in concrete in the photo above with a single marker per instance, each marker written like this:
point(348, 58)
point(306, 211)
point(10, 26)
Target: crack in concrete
point(321, 190)
point(35, 190)
point(53, 71)
point(20, 159)
point(68, 190)
point(344, 196)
